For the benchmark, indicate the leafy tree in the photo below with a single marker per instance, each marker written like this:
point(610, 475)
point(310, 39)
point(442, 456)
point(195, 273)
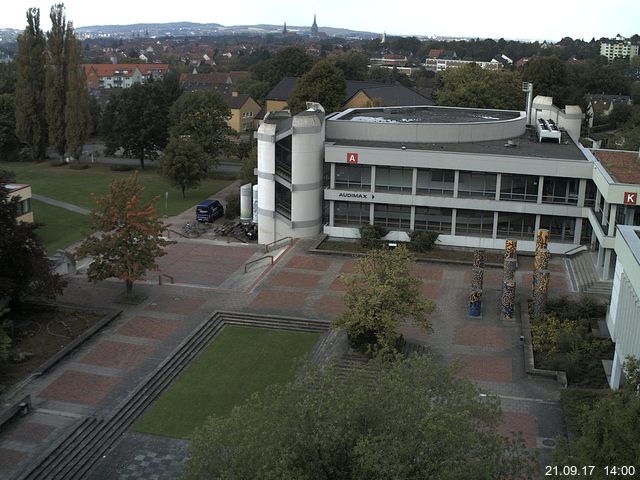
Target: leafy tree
point(137, 121)
point(127, 239)
point(472, 86)
point(370, 235)
point(203, 116)
point(288, 62)
point(8, 72)
point(354, 65)
point(248, 165)
point(31, 127)
point(5, 339)
point(608, 431)
point(324, 84)
point(8, 140)
point(410, 419)
point(380, 296)
point(184, 163)
point(76, 112)
point(549, 77)
point(25, 270)
point(422, 241)
point(56, 78)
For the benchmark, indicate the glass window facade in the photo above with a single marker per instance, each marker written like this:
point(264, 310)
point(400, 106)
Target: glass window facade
point(353, 177)
point(433, 219)
point(560, 190)
point(394, 217)
point(435, 182)
point(516, 225)
point(590, 194)
point(283, 201)
point(476, 223)
point(561, 229)
point(477, 185)
point(521, 188)
point(350, 214)
point(394, 179)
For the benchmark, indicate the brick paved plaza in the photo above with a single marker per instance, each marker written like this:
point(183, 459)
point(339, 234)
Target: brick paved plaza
point(96, 377)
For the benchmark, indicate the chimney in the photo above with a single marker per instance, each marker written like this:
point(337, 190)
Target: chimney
point(234, 93)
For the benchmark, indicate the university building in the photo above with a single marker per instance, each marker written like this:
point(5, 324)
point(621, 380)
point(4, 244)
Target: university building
point(475, 176)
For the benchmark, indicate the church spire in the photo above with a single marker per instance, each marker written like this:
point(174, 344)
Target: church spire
point(284, 30)
point(314, 27)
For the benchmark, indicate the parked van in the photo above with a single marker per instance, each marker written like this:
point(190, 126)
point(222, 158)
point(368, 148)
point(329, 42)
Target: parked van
point(208, 210)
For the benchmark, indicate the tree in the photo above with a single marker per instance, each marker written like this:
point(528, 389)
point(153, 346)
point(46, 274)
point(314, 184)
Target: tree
point(184, 163)
point(323, 84)
point(25, 270)
point(8, 140)
point(8, 72)
point(288, 62)
point(56, 78)
point(380, 296)
point(609, 430)
point(203, 116)
point(473, 86)
point(137, 121)
point(127, 236)
point(76, 112)
point(31, 126)
point(248, 165)
point(354, 65)
point(409, 418)
point(549, 77)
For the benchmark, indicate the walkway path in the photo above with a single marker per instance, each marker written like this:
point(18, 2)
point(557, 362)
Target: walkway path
point(58, 203)
point(99, 375)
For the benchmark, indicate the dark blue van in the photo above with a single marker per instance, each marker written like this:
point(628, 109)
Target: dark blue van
point(208, 210)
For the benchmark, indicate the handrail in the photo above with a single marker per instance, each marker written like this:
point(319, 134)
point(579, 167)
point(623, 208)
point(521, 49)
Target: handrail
point(164, 275)
point(266, 247)
point(575, 250)
point(257, 260)
point(177, 233)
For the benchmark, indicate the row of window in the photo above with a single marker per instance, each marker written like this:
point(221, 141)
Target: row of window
point(522, 188)
point(476, 223)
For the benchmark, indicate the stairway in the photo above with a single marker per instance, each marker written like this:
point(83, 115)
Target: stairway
point(586, 276)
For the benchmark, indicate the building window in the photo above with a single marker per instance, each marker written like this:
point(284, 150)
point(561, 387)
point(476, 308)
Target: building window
point(353, 177)
point(516, 225)
point(590, 194)
point(477, 185)
point(24, 207)
point(560, 190)
point(350, 214)
point(435, 182)
point(394, 179)
point(433, 219)
point(283, 201)
point(561, 229)
point(522, 188)
point(477, 223)
point(394, 217)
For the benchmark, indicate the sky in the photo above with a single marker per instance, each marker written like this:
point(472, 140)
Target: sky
point(509, 19)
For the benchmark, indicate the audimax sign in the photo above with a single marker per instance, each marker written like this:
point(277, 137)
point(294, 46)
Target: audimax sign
point(358, 195)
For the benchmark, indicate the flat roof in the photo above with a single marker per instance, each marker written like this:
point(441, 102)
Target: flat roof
point(526, 145)
point(426, 114)
point(622, 165)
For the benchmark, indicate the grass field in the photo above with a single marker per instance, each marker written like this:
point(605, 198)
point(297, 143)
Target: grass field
point(238, 363)
point(61, 227)
point(76, 186)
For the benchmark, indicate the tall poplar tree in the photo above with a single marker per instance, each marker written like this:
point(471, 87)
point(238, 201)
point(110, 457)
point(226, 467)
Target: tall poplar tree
point(31, 126)
point(56, 78)
point(76, 113)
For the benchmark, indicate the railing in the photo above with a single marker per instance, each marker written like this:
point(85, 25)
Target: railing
point(164, 275)
point(266, 247)
point(579, 248)
point(256, 261)
point(177, 233)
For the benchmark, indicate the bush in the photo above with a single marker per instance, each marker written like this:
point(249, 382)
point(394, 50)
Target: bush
point(370, 236)
point(58, 162)
point(121, 168)
point(78, 166)
point(232, 209)
point(422, 241)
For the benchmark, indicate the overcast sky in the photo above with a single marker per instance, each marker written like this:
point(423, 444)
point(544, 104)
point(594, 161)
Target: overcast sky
point(534, 20)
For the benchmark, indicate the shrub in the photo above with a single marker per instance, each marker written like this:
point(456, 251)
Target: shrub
point(58, 162)
point(422, 241)
point(78, 166)
point(370, 236)
point(232, 209)
point(121, 168)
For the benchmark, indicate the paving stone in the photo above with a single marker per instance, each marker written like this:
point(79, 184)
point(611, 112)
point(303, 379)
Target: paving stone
point(481, 336)
point(148, 327)
point(80, 387)
point(309, 263)
point(519, 424)
point(294, 279)
point(117, 355)
point(486, 368)
point(30, 432)
point(330, 306)
point(181, 305)
point(279, 301)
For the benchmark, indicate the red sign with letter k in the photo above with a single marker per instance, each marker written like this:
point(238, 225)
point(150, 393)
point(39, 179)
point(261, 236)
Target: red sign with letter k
point(630, 198)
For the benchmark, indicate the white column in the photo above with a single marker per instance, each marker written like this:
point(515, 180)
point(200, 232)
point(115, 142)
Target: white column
point(454, 214)
point(373, 180)
point(612, 219)
point(414, 183)
point(494, 234)
point(582, 192)
point(331, 212)
point(606, 268)
point(456, 182)
point(540, 187)
point(332, 181)
point(498, 186)
point(577, 231)
point(412, 224)
point(616, 372)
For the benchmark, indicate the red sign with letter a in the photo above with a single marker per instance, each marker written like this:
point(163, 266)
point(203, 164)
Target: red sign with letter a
point(352, 157)
point(630, 198)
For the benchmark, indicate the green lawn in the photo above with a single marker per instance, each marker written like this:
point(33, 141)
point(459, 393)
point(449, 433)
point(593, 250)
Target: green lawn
point(61, 227)
point(76, 186)
point(238, 363)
